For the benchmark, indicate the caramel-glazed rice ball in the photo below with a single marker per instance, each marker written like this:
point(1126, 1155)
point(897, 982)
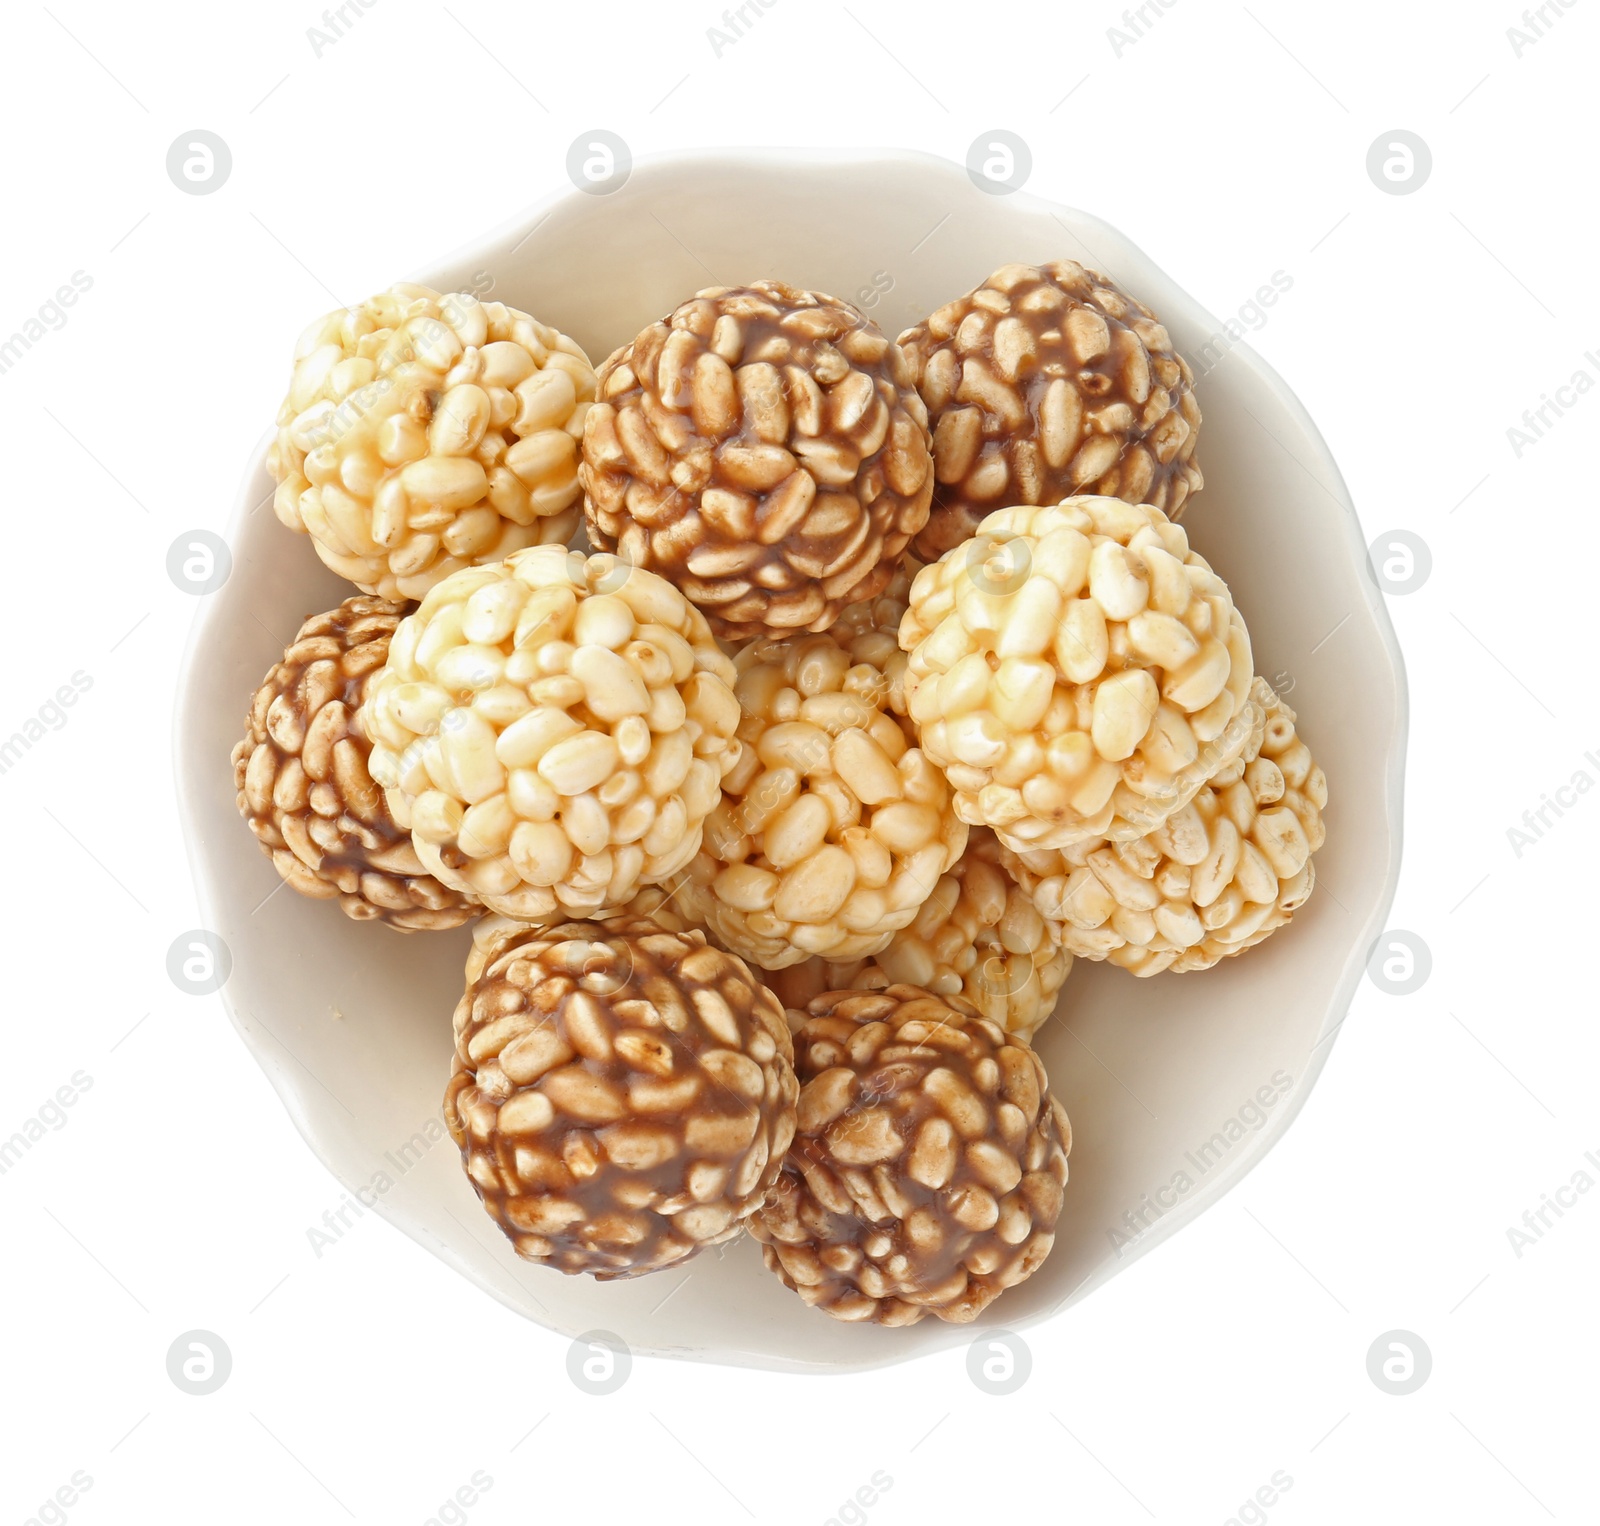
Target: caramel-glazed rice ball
point(1077, 671)
point(832, 829)
point(304, 788)
point(553, 729)
point(424, 433)
point(979, 936)
point(928, 1163)
point(1215, 878)
point(622, 1095)
point(1046, 381)
point(764, 448)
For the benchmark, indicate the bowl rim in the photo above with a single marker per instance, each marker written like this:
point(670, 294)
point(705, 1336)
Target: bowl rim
point(209, 617)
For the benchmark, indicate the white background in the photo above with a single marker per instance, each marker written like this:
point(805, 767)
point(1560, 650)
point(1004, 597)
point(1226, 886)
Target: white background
point(1230, 143)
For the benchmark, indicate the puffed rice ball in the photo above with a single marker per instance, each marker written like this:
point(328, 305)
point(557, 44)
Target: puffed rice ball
point(1077, 671)
point(304, 789)
point(622, 1095)
point(765, 449)
point(553, 729)
point(832, 830)
point(979, 935)
point(425, 433)
point(1046, 381)
point(1215, 878)
point(928, 1162)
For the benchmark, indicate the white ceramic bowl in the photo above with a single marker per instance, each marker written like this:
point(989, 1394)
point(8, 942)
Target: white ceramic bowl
point(351, 1022)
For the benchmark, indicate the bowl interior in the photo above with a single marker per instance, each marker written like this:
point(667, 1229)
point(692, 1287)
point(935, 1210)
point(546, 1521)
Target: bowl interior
point(1175, 1085)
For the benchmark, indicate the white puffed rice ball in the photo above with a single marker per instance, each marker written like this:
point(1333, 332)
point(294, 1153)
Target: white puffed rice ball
point(1077, 671)
point(424, 433)
point(553, 729)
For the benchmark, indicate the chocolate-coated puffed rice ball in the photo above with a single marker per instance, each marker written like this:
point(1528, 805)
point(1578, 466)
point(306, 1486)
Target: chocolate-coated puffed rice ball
point(764, 448)
point(1047, 381)
point(425, 433)
point(979, 936)
point(553, 729)
point(622, 1095)
point(1214, 879)
point(304, 788)
point(832, 829)
point(1077, 671)
point(928, 1164)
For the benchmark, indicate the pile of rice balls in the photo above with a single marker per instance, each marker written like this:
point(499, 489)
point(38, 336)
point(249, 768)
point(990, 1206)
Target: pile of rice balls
point(788, 707)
